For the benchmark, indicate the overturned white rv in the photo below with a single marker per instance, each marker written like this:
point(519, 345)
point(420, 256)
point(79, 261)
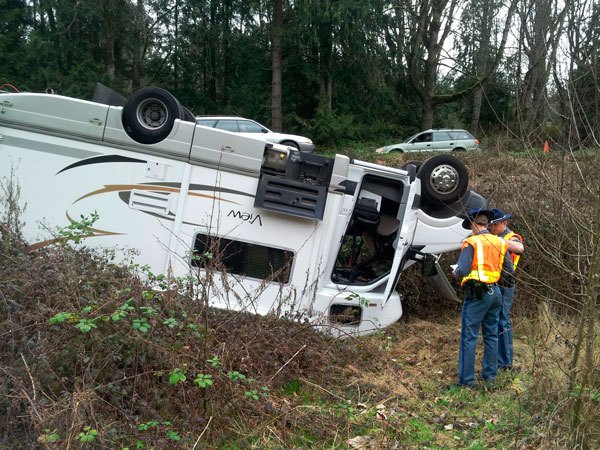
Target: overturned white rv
point(326, 238)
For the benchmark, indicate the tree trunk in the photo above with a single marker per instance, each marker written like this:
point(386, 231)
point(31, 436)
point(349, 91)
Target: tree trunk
point(325, 34)
point(212, 70)
point(428, 37)
point(276, 66)
point(476, 110)
point(109, 38)
point(138, 46)
point(227, 4)
point(541, 25)
point(427, 110)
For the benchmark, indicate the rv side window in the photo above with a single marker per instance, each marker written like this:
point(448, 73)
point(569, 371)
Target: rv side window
point(242, 258)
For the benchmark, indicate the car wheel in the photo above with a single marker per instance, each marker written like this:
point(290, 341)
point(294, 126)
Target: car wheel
point(149, 115)
point(444, 178)
point(396, 150)
point(458, 149)
point(291, 144)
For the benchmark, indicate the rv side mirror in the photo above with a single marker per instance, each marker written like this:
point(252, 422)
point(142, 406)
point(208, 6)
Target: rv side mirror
point(412, 172)
point(428, 266)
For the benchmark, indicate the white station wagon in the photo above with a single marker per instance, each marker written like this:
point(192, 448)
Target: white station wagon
point(435, 140)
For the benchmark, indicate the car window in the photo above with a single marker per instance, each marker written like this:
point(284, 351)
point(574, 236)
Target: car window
point(246, 126)
point(461, 134)
point(228, 125)
point(411, 139)
point(423, 137)
point(440, 136)
point(207, 122)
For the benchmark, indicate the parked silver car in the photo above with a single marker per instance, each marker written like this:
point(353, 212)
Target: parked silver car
point(435, 140)
point(254, 129)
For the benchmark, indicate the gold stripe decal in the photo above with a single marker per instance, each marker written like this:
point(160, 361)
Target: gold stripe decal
point(145, 187)
point(95, 233)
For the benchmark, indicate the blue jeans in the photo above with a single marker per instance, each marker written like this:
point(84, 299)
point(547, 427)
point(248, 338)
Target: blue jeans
point(505, 334)
point(477, 314)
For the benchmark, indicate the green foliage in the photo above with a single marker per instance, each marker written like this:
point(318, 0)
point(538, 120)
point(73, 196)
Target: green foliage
point(215, 361)
point(236, 376)
point(87, 435)
point(49, 436)
point(173, 436)
point(361, 300)
point(85, 325)
point(141, 325)
point(148, 295)
point(61, 317)
point(148, 311)
point(293, 387)
point(256, 394)
point(146, 426)
point(587, 392)
point(123, 310)
point(203, 380)
point(177, 376)
point(155, 425)
point(328, 127)
point(170, 322)
point(79, 229)
point(419, 431)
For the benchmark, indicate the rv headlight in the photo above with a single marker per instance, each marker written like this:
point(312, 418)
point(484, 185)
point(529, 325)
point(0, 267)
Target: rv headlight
point(276, 158)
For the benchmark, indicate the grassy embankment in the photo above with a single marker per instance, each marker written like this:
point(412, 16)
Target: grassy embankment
point(91, 357)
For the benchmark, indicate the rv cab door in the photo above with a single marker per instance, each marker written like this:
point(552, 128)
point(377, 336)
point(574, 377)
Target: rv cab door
point(408, 219)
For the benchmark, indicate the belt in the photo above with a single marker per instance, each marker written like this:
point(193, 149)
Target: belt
point(482, 282)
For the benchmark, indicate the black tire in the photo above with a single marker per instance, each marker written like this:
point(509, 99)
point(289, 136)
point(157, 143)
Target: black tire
point(291, 144)
point(458, 149)
point(444, 178)
point(149, 115)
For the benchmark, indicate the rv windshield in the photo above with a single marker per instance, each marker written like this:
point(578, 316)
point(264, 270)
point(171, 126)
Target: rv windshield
point(367, 250)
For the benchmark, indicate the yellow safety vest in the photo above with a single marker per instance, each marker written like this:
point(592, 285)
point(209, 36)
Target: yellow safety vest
point(514, 257)
point(488, 258)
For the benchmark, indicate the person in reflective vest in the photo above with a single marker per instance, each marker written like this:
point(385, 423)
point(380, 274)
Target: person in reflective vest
point(481, 262)
point(514, 242)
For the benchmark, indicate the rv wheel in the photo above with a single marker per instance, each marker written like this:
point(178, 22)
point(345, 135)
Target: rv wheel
point(444, 178)
point(149, 115)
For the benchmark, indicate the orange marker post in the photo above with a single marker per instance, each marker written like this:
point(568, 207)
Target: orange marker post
point(546, 147)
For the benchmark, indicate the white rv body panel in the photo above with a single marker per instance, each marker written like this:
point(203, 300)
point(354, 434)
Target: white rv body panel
point(324, 239)
point(427, 233)
point(55, 196)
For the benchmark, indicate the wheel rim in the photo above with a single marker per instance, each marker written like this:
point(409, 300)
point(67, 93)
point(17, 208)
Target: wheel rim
point(444, 179)
point(152, 114)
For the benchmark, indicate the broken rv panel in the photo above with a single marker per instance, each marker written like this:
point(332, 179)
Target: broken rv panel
point(295, 233)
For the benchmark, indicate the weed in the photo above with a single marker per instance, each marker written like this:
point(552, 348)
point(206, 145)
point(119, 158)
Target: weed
point(87, 435)
point(203, 380)
point(79, 229)
point(177, 376)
